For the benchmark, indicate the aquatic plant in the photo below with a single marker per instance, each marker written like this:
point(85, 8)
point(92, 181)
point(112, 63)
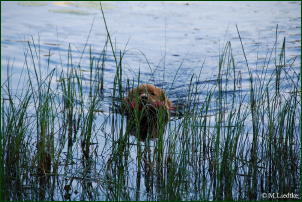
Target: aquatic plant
point(228, 143)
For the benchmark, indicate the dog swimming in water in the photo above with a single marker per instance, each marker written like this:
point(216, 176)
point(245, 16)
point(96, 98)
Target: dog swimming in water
point(148, 111)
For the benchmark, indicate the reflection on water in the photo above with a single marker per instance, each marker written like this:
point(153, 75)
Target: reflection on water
point(169, 34)
point(165, 43)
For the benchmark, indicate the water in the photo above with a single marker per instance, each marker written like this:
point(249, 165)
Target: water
point(164, 35)
point(170, 34)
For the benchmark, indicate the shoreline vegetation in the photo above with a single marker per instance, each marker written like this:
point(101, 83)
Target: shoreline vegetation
point(57, 143)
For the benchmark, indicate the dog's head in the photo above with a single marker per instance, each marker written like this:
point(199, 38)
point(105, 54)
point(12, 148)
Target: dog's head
point(149, 106)
point(148, 96)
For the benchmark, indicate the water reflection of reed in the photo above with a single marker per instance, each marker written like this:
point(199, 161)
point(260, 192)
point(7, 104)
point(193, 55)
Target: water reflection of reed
point(53, 134)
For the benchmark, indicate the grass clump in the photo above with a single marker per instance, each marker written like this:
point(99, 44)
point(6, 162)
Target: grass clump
point(231, 142)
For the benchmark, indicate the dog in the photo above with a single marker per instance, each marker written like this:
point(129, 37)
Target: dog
point(147, 109)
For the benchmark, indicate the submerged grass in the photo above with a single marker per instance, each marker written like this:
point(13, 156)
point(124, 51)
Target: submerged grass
point(56, 134)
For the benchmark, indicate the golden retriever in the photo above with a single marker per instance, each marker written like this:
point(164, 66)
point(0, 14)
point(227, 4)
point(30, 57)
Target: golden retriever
point(147, 110)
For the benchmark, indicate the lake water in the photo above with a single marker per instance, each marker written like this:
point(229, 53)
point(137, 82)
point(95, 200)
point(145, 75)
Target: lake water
point(169, 34)
point(164, 41)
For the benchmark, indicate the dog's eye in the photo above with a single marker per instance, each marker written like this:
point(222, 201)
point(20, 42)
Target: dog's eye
point(152, 93)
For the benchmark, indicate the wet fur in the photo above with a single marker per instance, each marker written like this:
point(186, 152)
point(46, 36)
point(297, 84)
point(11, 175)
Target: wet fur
point(147, 109)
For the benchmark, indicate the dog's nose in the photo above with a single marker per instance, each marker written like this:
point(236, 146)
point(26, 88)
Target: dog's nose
point(144, 97)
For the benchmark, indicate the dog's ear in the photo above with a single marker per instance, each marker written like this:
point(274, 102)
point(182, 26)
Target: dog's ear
point(162, 95)
point(128, 104)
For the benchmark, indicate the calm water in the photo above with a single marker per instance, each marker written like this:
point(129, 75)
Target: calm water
point(168, 34)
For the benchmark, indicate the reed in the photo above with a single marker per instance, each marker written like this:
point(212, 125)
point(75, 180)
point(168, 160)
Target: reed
point(228, 143)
